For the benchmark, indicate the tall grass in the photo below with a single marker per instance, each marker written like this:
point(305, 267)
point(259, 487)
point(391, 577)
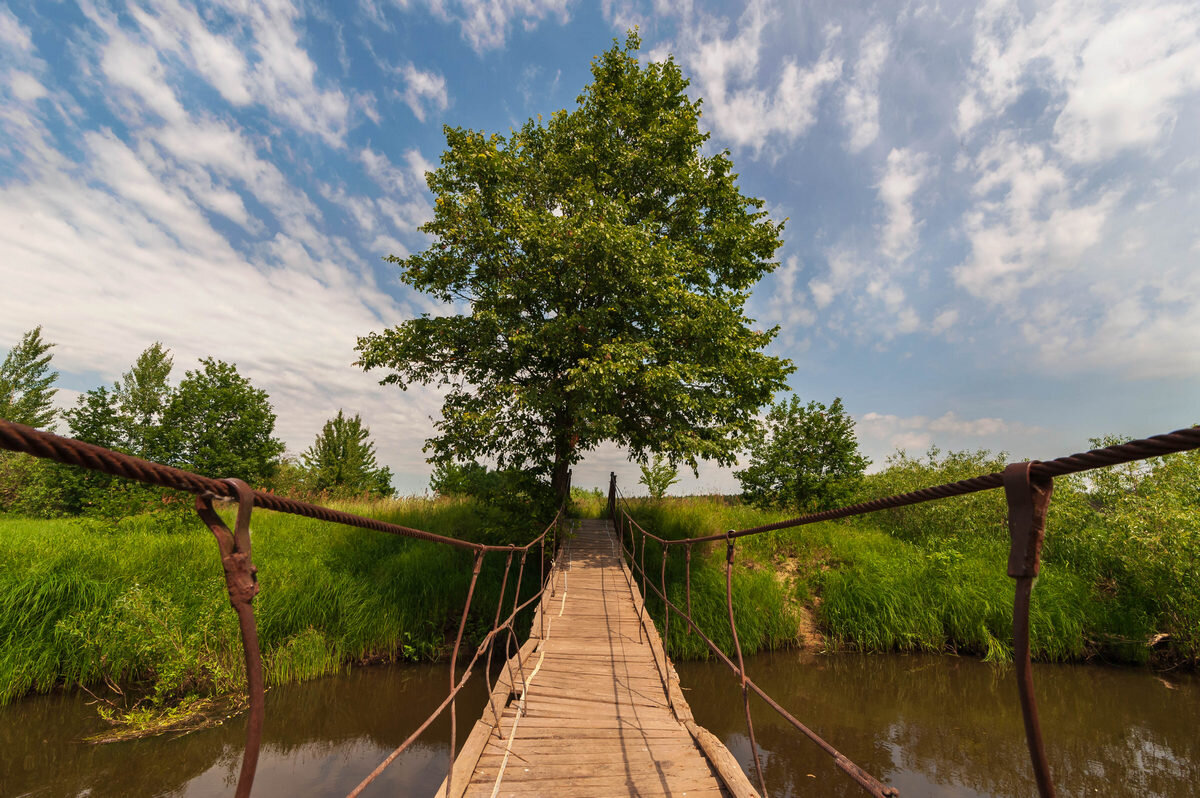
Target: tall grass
point(142, 601)
point(934, 577)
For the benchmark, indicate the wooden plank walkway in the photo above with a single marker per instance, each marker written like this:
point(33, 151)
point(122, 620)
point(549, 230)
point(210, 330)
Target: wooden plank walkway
point(600, 715)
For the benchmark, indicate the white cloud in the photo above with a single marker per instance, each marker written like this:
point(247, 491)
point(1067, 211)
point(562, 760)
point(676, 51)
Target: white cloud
point(1132, 76)
point(906, 171)
point(288, 320)
point(258, 59)
point(873, 281)
point(1026, 227)
point(622, 14)
point(880, 434)
point(726, 72)
point(860, 109)
point(13, 34)
point(1118, 73)
point(422, 90)
point(25, 87)
point(485, 24)
point(944, 321)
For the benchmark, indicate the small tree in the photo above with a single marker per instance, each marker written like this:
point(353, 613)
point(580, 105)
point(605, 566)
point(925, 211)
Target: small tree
point(219, 425)
point(142, 395)
point(658, 476)
point(803, 458)
point(96, 419)
point(26, 395)
point(342, 459)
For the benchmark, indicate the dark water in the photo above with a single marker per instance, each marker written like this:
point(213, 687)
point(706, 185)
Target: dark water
point(932, 726)
point(945, 726)
point(321, 738)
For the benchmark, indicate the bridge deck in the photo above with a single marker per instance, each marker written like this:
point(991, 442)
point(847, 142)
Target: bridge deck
point(596, 720)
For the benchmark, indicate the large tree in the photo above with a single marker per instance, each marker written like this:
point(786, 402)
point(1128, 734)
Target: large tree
point(602, 262)
point(26, 382)
point(803, 458)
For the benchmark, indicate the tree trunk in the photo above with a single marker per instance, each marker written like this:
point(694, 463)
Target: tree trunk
point(560, 476)
point(560, 480)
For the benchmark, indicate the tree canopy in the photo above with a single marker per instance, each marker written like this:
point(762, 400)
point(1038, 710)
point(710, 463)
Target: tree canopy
point(26, 392)
point(601, 262)
point(803, 458)
point(219, 425)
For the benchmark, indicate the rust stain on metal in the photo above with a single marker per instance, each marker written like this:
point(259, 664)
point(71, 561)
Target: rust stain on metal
point(1028, 495)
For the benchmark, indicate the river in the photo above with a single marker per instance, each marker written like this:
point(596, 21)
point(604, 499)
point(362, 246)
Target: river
point(932, 726)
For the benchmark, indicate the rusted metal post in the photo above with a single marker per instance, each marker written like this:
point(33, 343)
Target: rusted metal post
point(462, 625)
point(662, 583)
point(729, 546)
point(612, 496)
point(688, 581)
point(241, 580)
point(1028, 498)
point(487, 673)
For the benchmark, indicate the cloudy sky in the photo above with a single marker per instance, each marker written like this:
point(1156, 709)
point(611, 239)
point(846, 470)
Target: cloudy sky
point(992, 235)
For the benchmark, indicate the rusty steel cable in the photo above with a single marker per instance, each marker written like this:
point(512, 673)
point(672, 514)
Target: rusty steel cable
point(242, 586)
point(873, 786)
point(1181, 440)
point(1028, 487)
point(47, 445)
point(484, 646)
point(240, 572)
point(495, 624)
point(462, 625)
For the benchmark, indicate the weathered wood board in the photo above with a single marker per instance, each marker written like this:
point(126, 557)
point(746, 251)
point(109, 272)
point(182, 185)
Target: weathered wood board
point(601, 716)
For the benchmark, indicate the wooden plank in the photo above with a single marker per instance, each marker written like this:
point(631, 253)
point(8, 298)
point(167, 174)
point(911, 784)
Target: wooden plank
point(597, 720)
point(464, 763)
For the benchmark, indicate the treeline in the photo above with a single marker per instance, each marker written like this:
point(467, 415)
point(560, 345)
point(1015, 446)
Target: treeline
point(213, 422)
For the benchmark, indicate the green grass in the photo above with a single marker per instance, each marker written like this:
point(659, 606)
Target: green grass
point(142, 601)
point(873, 585)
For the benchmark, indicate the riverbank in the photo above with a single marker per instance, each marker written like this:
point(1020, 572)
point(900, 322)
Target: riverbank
point(1120, 580)
point(136, 610)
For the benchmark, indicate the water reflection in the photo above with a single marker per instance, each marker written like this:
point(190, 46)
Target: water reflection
point(932, 726)
point(943, 726)
point(321, 739)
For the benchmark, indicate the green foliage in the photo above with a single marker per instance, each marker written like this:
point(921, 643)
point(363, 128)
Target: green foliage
point(803, 458)
point(142, 395)
point(511, 496)
point(976, 515)
point(1126, 538)
point(607, 261)
point(658, 476)
point(141, 602)
point(26, 395)
point(588, 503)
point(219, 425)
point(341, 460)
point(32, 487)
point(123, 418)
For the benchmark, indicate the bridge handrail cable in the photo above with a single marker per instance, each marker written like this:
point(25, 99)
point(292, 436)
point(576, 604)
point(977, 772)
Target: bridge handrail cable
point(241, 574)
point(1027, 485)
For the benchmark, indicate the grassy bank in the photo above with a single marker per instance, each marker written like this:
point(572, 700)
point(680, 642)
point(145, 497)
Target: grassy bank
point(1120, 578)
point(139, 605)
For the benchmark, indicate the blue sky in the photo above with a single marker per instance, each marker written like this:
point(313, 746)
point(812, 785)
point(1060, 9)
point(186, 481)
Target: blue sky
point(992, 234)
